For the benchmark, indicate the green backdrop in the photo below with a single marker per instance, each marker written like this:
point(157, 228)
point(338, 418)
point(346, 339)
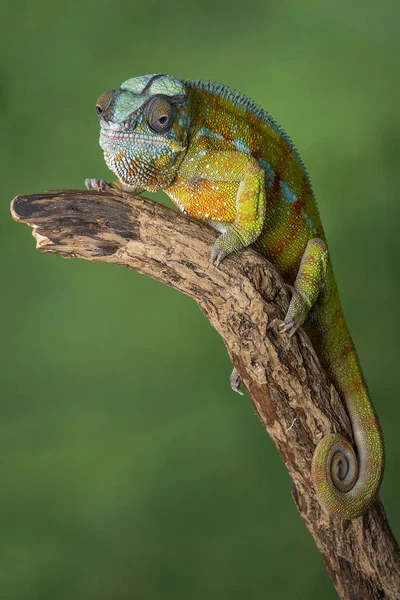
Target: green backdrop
point(128, 467)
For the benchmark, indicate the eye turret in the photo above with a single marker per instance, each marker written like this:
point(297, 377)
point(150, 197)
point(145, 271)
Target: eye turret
point(104, 102)
point(160, 114)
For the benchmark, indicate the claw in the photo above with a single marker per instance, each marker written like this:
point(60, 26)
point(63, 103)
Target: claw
point(289, 327)
point(217, 256)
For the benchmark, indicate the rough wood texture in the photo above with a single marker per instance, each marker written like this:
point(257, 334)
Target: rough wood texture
point(245, 300)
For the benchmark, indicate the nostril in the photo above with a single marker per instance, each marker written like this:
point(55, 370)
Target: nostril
point(99, 109)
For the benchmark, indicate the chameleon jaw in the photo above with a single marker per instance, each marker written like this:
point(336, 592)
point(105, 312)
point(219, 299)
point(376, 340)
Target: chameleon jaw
point(113, 135)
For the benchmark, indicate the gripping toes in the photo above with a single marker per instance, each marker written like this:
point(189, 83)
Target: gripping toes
point(236, 382)
point(289, 327)
point(224, 245)
point(310, 280)
point(296, 315)
point(97, 185)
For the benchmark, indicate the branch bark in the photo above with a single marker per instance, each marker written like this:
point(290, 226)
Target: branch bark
point(245, 299)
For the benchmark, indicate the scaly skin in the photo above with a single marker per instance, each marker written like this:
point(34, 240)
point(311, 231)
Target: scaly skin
point(224, 160)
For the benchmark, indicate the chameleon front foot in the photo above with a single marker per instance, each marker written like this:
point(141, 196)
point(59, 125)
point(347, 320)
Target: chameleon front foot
point(236, 382)
point(224, 245)
point(97, 185)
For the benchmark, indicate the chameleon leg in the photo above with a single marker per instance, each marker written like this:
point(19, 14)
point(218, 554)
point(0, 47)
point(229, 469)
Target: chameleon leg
point(240, 209)
point(310, 279)
point(250, 215)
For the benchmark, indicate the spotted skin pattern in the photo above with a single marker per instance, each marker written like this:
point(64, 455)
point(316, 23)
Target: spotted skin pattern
point(224, 160)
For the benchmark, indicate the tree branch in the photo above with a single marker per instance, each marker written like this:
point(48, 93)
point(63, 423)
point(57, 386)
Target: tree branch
point(245, 299)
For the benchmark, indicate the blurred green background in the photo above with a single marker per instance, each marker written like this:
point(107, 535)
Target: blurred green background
point(128, 467)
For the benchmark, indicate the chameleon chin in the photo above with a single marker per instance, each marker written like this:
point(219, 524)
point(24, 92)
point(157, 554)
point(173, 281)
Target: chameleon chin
point(224, 160)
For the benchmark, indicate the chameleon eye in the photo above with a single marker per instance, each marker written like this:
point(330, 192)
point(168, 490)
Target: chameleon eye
point(160, 114)
point(104, 102)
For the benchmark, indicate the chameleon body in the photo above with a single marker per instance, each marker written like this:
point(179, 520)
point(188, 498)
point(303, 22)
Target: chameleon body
point(224, 160)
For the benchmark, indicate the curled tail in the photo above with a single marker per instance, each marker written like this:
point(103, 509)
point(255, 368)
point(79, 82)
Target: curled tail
point(346, 480)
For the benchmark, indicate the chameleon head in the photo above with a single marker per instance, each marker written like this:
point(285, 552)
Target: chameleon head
point(144, 130)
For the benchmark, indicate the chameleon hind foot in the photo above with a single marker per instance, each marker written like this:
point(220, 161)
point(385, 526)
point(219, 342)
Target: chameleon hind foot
point(296, 315)
point(236, 382)
point(310, 280)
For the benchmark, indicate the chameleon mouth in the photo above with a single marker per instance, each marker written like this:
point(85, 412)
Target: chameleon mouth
point(116, 135)
point(113, 135)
